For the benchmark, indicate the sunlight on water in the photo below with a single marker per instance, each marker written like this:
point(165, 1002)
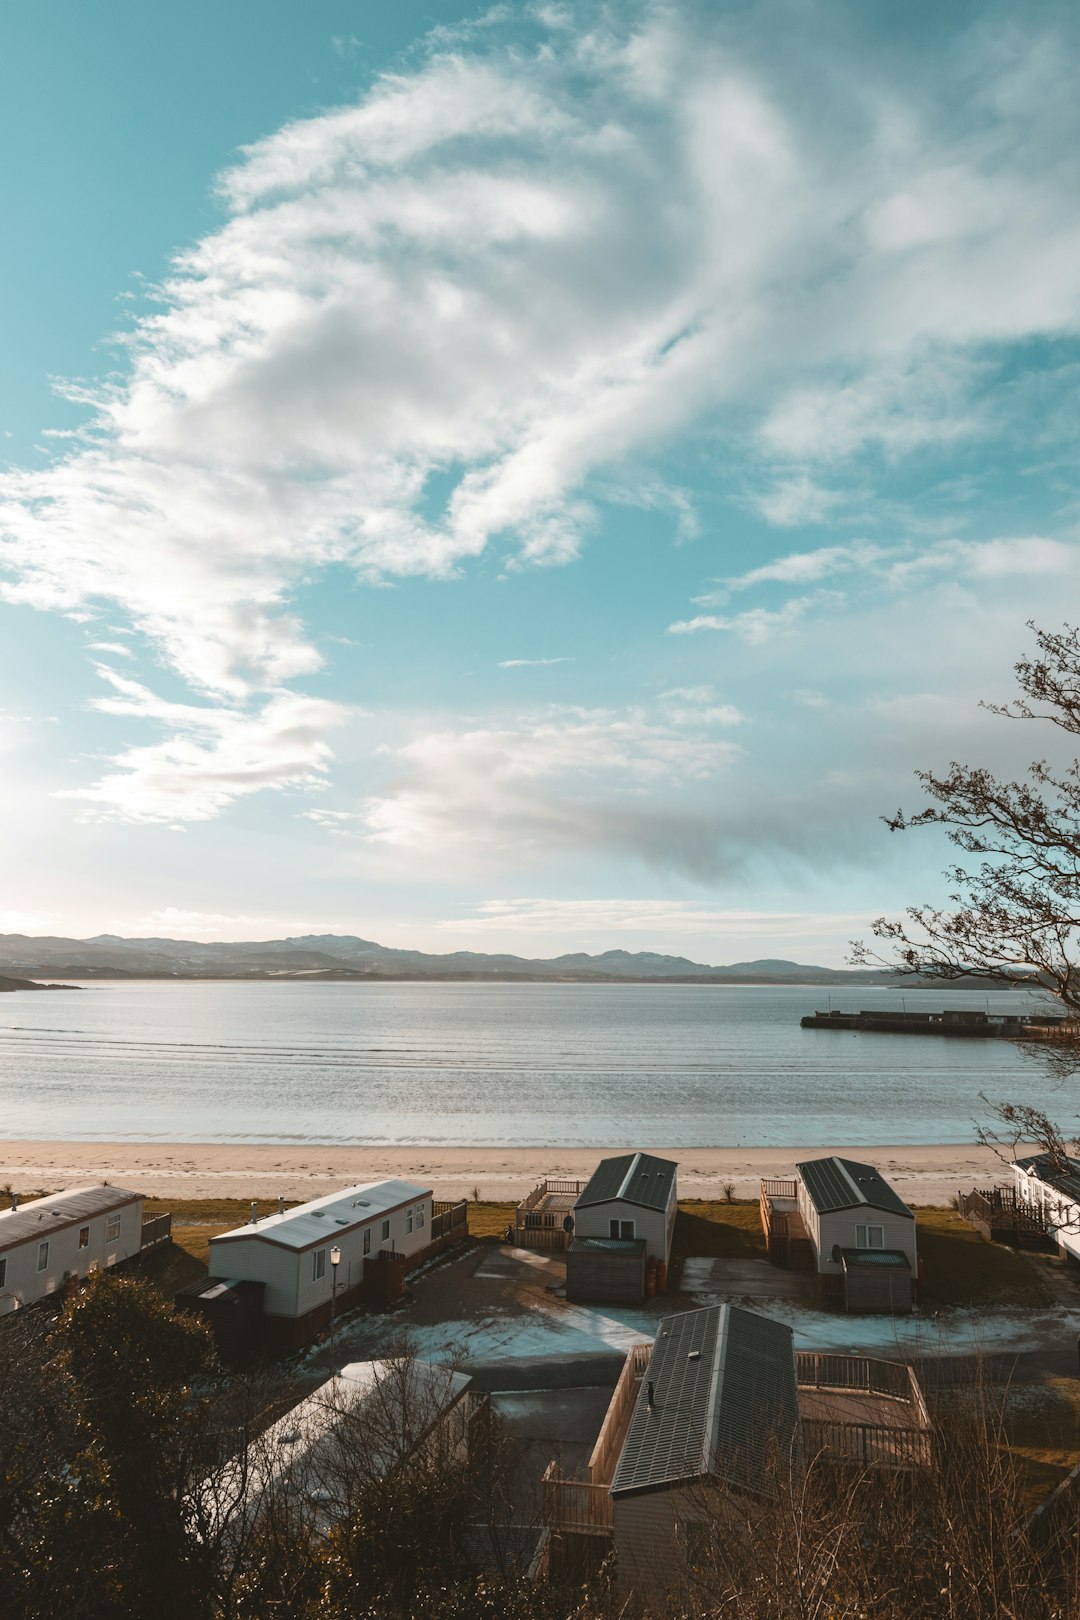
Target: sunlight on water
point(508, 1064)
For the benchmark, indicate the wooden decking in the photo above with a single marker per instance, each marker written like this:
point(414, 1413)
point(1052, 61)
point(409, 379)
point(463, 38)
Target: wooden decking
point(1002, 1217)
point(538, 1222)
point(859, 1410)
point(786, 1239)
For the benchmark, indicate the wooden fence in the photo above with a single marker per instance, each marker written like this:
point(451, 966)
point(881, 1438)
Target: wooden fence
point(448, 1219)
point(576, 1504)
point(609, 1441)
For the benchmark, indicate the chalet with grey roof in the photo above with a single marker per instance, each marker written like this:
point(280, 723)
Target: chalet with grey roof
point(49, 1245)
point(861, 1232)
point(699, 1427)
point(292, 1252)
point(622, 1222)
point(842, 1219)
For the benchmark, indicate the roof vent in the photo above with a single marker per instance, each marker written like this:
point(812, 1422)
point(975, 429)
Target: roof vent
point(693, 1355)
point(318, 1214)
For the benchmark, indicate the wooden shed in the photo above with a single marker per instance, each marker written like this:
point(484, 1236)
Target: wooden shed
point(606, 1271)
point(877, 1280)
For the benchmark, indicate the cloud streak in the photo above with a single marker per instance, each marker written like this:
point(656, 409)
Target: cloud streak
point(522, 270)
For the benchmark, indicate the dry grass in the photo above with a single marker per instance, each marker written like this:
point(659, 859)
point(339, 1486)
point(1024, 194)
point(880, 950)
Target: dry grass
point(490, 1220)
point(962, 1268)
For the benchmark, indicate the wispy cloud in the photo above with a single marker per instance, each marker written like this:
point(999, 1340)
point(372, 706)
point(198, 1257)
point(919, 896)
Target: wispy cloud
point(530, 663)
point(214, 755)
point(642, 918)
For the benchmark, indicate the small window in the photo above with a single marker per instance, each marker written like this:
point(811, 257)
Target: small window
point(318, 1265)
point(367, 1239)
point(84, 1237)
point(420, 1215)
point(409, 1219)
point(621, 1229)
point(385, 1231)
point(3, 1271)
point(869, 1237)
point(112, 1228)
point(42, 1256)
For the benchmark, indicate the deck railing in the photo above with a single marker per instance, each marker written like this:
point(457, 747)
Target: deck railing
point(609, 1441)
point(536, 1228)
point(867, 1443)
point(773, 1188)
point(575, 1504)
point(818, 1370)
point(156, 1230)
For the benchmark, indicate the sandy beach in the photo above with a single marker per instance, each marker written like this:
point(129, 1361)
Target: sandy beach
point(922, 1175)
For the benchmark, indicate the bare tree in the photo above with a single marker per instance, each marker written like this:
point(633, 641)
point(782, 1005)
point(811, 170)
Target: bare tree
point(1014, 913)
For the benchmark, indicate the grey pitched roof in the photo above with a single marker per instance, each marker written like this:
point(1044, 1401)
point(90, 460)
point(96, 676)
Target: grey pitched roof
point(845, 1184)
point(41, 1216)
point(323, 1219)
point(724, 1391)
point(632, 1178)
point(1065, 1180)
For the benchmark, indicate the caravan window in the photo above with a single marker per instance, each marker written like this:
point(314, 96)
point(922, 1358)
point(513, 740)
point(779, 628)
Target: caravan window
point(112, 1228)
point(869, 1237)
point(42, 1256)
point(318, 1265)
point(367, 1239)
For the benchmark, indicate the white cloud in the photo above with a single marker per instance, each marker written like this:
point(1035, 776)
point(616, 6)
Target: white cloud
point(642, 917)
point(798, 500)
point(533, 269)
point(116, 647)
point(213, 757)
point(754, 625)
point(891, 567)
point(178, 922)
point(566, 779)
point(28, 922)
point(530, 663)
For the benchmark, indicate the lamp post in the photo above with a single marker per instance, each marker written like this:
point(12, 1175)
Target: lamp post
point(335, 1261)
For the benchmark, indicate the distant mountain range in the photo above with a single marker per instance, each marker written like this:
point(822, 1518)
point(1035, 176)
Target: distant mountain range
point(344, 956)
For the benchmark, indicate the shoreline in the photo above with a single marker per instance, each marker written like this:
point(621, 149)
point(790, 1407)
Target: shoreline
point(921, 1174)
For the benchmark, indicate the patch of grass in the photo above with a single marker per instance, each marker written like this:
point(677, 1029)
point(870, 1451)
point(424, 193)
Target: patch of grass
point(717, 1230)
point(490, 1220)
point(961, 1268)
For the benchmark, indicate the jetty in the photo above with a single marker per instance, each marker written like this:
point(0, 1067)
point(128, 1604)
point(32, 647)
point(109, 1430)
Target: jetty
point(948, 1021)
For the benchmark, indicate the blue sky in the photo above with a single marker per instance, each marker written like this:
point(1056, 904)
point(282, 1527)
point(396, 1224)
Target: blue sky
point(538, 478)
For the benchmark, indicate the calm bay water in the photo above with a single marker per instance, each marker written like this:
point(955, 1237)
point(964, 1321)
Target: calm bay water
point(472, 1064)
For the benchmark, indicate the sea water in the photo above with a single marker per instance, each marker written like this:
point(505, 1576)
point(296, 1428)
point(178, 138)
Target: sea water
point(498, 1065)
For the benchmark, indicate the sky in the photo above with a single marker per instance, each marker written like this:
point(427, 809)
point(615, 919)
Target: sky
point(538, 478)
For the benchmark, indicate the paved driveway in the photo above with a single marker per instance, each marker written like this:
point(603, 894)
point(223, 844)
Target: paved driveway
point(745, 1279)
